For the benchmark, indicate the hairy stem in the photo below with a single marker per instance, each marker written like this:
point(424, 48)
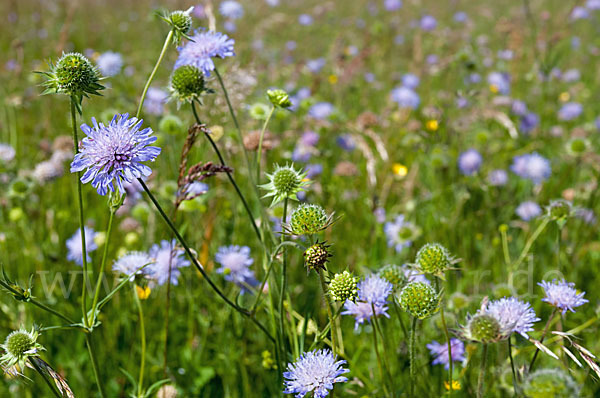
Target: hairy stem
point(103, 264)
point(333, 331)
point(481, 377)
point(283, 281)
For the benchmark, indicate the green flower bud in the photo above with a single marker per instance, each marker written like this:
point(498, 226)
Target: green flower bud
point(550, 383)
point(419, 300)
point(559, 210)
point(484, 328)
point(187, 84)
point(19, 346)
point(180, 22)
point(284, 183)
point(393, 274)
point(308, 219)
point(279, 98)
point(433, 258)
point(316, 256)
point(343, 287)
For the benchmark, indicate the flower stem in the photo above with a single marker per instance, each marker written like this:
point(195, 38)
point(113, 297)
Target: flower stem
point(530, 241)
point(333, 331)
point(235, 121)
point(81, 218)
point(283, 280)
point(377, 329)
point(537, 350)
point(512, 366)
point(143, 342)
point(482, 372)
point(90, 347)
point(449, 347)
point(151, 77)
point(237, 189)
point(197, 264)
point(411, 349)
point(260, 142)
point(43, 374)
point(103, 264)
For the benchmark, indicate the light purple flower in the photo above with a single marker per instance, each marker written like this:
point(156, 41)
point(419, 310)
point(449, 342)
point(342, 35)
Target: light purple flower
point(392, 5)
point(74, 249)
point(469, 162)
point(413, 276)
point(235, 265)
point(400, 233)
point(231, 9)
point(131, 263)
point(528, 210)
point(346, 142)
point(529, 121)
point(315, 371)
point(439, 352)
point(570, 111)
point(305, 20)
point(428, 23)
point(405, 97)
point(592, 4)
point(571, 76)
point(410, 80)
point(501, 81)
point(531, 166)
point(7, 153)
point(579, 13)
point(315, 65)
point(165, 256)
point(110, 63)
point(114, 153)
point(513, 314)
point(562, 295)
point(497, 177)
point(205, 46)
point(460, 17)
point(156, 99)
point(373, 292)
point(321, 110)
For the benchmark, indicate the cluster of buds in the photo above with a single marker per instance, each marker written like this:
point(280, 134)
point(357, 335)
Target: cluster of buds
point(316, 256)
point(343, 287)
point(419, 299)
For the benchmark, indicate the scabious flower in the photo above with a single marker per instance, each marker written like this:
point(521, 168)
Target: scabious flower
point(315, 371)
point(343, 287)
point(439, 352)
point(131, 263)
point(7, 153)
point(428, 23)
point(497, 177)
point(74, 245)
point(166, 256)
point(531, 166)
point(405, 97)
point(373, 293)
point(411, 81)
point(499, 82)
point(305, 20)
point(528, 210)
point(570, 111)
point(315, 65)
point(316, 256)
point(562, 295)
point(231, 9)
point(235, 265)
point(513, 314)
point(392, 5)
point(400, 233)
point(433, 258)
point(419, 299)
point(114, 153)
point(187, 84)
point(460, 17)
point(18, 347)
point(155, 101)
point(321, 110)
point(284, 182)
point(529, 121)
point(205, 46)
point(579, 13)
point(110, 63)
point(309, 219)
point(469, 162)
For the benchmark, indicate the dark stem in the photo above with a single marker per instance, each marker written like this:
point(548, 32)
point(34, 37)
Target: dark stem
point(512, 366)
point(43, 374)
point(537, 350)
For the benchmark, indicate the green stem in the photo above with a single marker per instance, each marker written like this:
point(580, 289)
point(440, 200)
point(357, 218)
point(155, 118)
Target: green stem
point(260, 142)
point(377, 329)
point(237, 188)
point(283, 283)
point(512, 366)
point(103, 264)
point(411, 349)
point(482, 372)
point(43, 374)
point(235, 121)
point(191, 256)
point(530, 241)
point(143, 342)
point(449, 347)
point(537, 350)
point(90, 347)
point(81, 218)
point(379, 361)
point(333, 331)
point(151, 77)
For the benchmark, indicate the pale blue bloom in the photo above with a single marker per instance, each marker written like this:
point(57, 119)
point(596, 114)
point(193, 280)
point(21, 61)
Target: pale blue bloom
point(205, 46)
point(74, 249)
point(513, 314)
point(231, 9)
point(501, 81)
point(392, 5)
point(7, 153)
point(235, 265)
point(131, 263)
point(400, 233)
point(165, 256)
point(439, 352)
point(428, 23)
point(110, 63)
point(570, 111)
point(528, 210)
point(305, 20)
point(410, 80)
point(321, 110)
point(315, 371)
point(532, 166)
point(405, 97)
point(469, 162)
point(562, 295)
point(156, 99)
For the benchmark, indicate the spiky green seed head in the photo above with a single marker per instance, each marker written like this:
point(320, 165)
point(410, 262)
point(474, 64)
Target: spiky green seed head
point(180, 22)
point(344, 287)
point(316, 256)
point(286, 180)
point(577, 146)
point(559, 210)
point(419, 300)
point(433, 258)
point(484, 328)
point(18, 346)
point(187, 84)
point(279, 98)
point(308, 219)
point(393, 274)
point(284, 183)
point(550, 383)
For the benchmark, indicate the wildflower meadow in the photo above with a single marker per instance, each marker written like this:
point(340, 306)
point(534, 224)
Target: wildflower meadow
point(271, 198)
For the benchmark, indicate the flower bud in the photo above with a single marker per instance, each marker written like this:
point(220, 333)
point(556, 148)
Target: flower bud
point(419, 300)
point(343, 287)
point(187, 84)
point(433, 258)
point(309, 219)
point(181, 24)
point(316, 256)
point(279, 98)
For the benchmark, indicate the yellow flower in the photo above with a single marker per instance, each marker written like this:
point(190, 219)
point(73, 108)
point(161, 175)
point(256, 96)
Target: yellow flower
point(564, 96)
point(333, 79)
point(143, 292)
point(455, 385)
point(216, 132)
point(494, 89)
point(400, 170)
point(432, 125)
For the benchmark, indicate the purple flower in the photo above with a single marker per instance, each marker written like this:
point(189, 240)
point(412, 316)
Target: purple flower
point(315, 65)
point(513, 314)
point(205, 46)
point(114, 153)
point(529, 121)
point(460, 17)
point(110, 63)
point(74, 248)
point(400, 233)
point(309, 138)
point(235, 265)
point(131, 263)
point(166, 256)
point(580, 13)
point(155, 101)
point(562, 295)
point(428, 23)
point(405, 97)
point(587, 215)
point(315, 371)
point(571, 76)
point(411, 81)
point(497, 177)
point(519, 108)
point(439, 352)
point(313, 170)
point(373, 293)
point(7, 153)
point(379, 214)
point(231, 9)
point(305, 20)
point(570, 111)
point(592, 5)
point(346, 142)
point(469, 162)
point(321, 110)
point(501, 81)
point(532, 166)
point(196, 188)
point(392, 5)
point(528, 210)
